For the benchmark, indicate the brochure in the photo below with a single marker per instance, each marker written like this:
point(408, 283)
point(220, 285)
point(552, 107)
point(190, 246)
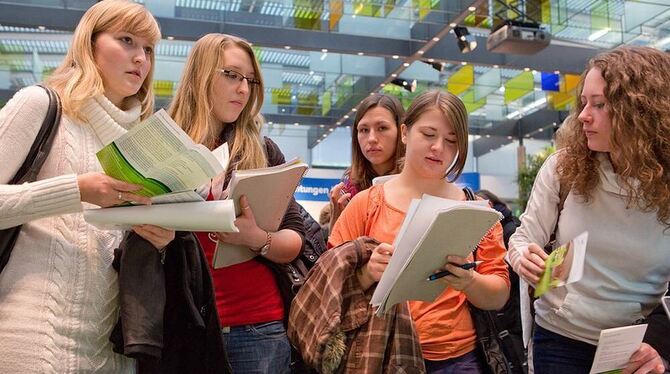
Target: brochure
point(615, 347)
point(564, 265)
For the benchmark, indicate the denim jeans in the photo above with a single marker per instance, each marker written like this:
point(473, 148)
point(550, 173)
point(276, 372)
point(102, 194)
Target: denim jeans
point(466, 364)
point(555, 354)
point(261, 348)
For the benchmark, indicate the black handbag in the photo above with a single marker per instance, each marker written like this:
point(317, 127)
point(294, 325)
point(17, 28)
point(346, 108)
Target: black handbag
point(31, 167)
point(497, 349)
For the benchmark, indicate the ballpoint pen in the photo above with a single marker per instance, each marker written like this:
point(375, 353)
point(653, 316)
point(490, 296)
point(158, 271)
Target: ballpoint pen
point(444, 273)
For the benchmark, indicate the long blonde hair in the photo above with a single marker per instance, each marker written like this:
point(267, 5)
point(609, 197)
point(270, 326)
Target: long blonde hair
point(639, 108)
point(192, 106)
point(78, 78)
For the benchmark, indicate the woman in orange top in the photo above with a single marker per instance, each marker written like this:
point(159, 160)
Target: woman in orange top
point(435, 132)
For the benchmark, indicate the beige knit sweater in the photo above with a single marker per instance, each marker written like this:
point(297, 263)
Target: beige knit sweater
point(58, 293)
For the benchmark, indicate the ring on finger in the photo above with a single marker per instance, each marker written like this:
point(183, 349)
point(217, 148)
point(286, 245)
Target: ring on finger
point(120, 196)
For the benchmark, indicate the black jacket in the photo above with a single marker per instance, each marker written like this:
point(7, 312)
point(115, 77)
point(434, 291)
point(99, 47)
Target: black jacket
point(509, 222)
point(658, 331)
point(168, 319)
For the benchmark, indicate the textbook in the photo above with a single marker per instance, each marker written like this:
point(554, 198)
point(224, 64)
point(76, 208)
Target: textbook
point(615, 346)
point(433, 229)
point(564, 265)
point(269, 192)
point(160, 156)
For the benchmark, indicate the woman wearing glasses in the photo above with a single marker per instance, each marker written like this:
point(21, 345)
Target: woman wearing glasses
point(219, 100)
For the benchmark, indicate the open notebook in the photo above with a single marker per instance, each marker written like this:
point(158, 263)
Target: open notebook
point(433, 229)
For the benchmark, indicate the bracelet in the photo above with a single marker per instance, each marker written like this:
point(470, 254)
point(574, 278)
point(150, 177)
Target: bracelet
point(265, 248)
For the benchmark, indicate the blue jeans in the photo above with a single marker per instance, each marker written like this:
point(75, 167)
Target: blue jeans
point(555, 354)
point(466, 364)
point(261, 348)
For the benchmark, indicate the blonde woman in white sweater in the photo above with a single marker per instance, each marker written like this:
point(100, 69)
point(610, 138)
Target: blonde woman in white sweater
point(58, 292)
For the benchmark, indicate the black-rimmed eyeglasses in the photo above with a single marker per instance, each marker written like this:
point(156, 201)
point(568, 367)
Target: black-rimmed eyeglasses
point(234, 77)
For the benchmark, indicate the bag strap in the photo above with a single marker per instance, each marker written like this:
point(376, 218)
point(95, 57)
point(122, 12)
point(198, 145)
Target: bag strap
point(470, 195)
point(43, 141)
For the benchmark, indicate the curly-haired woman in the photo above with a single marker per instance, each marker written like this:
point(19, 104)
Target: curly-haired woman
point(616, 166)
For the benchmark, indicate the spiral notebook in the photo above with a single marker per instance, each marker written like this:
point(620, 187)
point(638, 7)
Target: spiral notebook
point(433, 229)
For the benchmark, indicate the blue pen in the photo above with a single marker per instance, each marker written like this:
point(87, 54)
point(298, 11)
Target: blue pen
point(444, 273)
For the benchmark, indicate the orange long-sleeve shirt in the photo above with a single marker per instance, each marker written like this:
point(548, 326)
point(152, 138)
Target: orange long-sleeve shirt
point(445, 327)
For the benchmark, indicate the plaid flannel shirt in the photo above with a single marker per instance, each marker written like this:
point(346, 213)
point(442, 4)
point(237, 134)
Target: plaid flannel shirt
point(331, 309)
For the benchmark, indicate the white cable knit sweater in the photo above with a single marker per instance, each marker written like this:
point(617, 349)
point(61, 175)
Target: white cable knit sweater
point(58, 293)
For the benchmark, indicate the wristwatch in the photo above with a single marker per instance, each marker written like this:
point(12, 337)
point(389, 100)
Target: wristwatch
point(263, 250)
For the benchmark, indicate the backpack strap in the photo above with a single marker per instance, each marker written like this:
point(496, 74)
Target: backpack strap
point(470, 196)
point(43, 141)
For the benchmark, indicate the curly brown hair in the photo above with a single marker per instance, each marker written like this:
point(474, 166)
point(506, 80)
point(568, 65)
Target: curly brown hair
point(638, 101)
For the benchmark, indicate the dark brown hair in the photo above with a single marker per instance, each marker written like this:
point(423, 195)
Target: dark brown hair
point(361, 172)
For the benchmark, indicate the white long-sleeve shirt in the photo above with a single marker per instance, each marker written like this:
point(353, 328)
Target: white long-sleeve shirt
point(58, 293)
point(627, 264)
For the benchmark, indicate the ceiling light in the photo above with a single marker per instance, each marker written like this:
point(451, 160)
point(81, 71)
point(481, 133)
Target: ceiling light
point(296, 124)
point(394, 75)
point(420, 51)
point(360, 53)
point(436, 39)
point(354, 110)
point(466, 41)
point(431, 60)
point(346, 116)
point(452, 25)
point(409, 86)
point(170, 38)
point(287, 47)
point(405, 64)
point(324, 50)
point(472, 9)
point(395, 57)
point(436, 65)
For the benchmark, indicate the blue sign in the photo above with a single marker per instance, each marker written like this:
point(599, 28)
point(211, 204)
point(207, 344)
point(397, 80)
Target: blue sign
point(315, 189)
point(551, 82)
point(470, 180)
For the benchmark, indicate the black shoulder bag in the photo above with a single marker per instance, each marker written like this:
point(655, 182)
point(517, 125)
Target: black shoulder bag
point(499, 353)
point(31, 167)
